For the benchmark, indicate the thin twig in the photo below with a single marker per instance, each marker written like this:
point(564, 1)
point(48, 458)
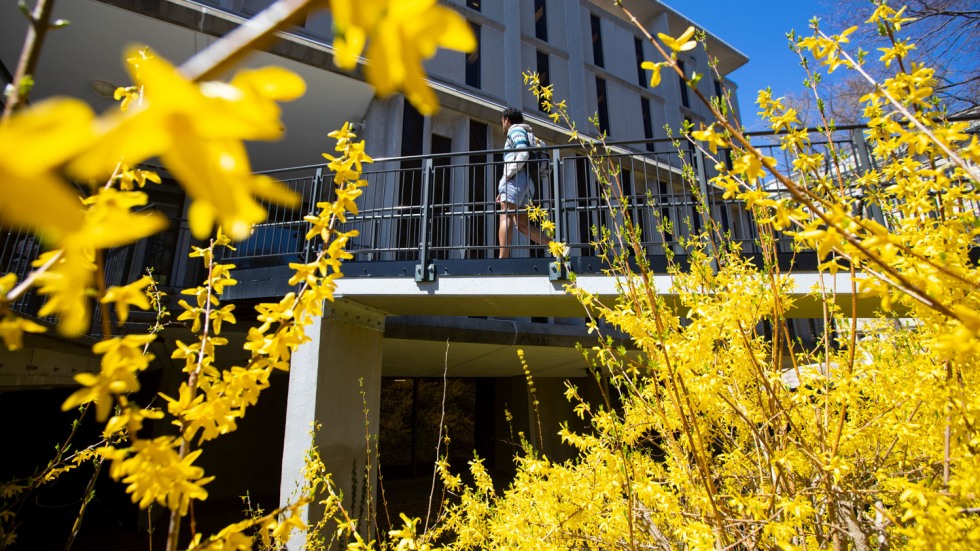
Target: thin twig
point(250, 35)
point(173, 533)
point(86, 499)
point(22, 288)
point(29, 55)
point(442, 419)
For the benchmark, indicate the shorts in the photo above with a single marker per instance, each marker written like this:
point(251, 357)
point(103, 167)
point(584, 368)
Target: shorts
point(516, 191)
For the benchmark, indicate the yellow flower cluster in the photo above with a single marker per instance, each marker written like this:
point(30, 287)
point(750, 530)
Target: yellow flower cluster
point(122, 359)
point(12, 328)
point(720, 429)
point(196, 129)
point(211, 401)
point(155, 472)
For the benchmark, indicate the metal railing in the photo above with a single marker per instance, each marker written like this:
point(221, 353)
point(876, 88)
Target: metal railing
point(437, 214)
point(429, 214)
point(422, 216)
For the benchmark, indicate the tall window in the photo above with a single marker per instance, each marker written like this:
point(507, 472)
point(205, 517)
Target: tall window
point(473, 4)
point(647, 122)
point(473, 61)
point(685, 100)
point(601, 100)
point(541, 20)
point(587, 192)
point(640, 73)
point(478, 190)
point(441, 198)
point(410, 190)
point(544, 73)
point(719, 90)
point(597, 41)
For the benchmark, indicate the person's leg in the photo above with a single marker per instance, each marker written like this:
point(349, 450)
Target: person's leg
point(507, 223)
point(533, 231)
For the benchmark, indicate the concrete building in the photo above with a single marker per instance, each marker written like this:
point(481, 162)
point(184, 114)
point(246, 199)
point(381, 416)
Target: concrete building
point(429, 213)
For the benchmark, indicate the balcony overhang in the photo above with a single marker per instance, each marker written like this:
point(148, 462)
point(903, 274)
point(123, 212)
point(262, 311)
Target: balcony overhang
point(646, 11)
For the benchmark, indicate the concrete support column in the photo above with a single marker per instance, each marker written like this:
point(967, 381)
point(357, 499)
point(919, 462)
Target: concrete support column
point(670, 87)
point(577, 98)
point(332, 380)
point(513, 80)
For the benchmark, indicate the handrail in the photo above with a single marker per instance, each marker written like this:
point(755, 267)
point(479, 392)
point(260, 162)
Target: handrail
point(451, 225)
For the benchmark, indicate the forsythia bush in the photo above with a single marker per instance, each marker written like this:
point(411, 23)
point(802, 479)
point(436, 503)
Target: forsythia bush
point(724, 437)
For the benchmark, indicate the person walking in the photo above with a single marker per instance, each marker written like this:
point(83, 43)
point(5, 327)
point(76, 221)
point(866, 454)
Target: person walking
point(514, 188)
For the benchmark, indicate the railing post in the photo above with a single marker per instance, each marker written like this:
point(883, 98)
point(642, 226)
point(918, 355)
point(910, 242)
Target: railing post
point(556, 210)
point(864, 165)
point(705, 205)
point(425, 270)
point(557, 270)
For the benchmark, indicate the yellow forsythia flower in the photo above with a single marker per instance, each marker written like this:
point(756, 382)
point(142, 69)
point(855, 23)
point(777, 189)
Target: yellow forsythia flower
point(33, 144)
point(12, 331)
point(714, 139)
point(682, 43)
point(122, 359)
point(398, 35)
point(654, 69)
point(197, 131)
point(128, 295)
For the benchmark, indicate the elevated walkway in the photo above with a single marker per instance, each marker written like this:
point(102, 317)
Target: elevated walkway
point(519, 294)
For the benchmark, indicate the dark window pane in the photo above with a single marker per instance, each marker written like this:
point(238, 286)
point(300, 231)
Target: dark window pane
point(413, 416)
point(719, 90)
point(685, 100)
point(441, 197)
point(473, 71)
point(600, 94)
point(640, 73)
point(540, 20)
point(410, 190)
point(597, 41)
point(626, 181)
point(647, 122)
point(544, 72)
point(587, 196)
point(479, 199)
point(473, 4)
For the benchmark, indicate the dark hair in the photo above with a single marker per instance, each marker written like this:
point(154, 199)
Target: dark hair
point(513, 115)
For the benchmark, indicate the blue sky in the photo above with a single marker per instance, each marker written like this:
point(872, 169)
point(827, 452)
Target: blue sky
point(758, 29)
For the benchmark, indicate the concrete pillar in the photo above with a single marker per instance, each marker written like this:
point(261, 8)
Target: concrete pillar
point(513, 44)
point(327, 378)
point(670, 87)
point(576, 37)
